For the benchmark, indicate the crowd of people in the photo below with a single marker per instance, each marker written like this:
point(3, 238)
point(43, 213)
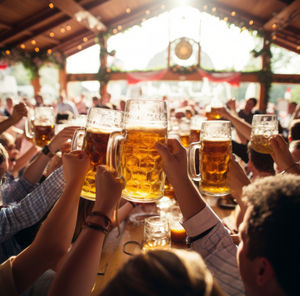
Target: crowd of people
point(40, 198)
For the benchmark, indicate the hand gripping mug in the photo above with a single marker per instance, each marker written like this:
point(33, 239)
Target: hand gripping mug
point(134, 155)
point(92, 139)
point(215, 151)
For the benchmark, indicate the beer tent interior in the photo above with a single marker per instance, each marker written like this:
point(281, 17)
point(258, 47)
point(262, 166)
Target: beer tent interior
point(61, 28)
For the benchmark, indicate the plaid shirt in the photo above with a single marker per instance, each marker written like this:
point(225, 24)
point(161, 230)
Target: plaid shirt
point(217, 250)
point(26, 211)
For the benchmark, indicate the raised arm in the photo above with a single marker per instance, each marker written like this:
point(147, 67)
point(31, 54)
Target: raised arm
point(54, 237)
point(19, 111)
point(78, 272)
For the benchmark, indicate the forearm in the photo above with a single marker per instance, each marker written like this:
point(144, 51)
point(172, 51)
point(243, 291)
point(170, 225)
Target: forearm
point(52, 240)
point(78, 273)
point(7, 123)
point(188, 197)
point(241, 126)
point(25, 158)
point(34, 171)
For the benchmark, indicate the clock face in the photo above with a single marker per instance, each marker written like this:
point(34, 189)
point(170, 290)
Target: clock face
point(183, 50)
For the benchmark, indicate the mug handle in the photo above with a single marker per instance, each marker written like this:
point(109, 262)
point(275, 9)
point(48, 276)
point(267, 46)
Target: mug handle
point(78, 139)
point(113, 151)
point(191, 161)
point(29, 128)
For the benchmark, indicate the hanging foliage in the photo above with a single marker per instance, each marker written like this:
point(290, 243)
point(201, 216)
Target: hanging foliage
point(32, 61)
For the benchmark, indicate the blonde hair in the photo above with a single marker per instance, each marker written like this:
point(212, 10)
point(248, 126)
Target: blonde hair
point(164, 272)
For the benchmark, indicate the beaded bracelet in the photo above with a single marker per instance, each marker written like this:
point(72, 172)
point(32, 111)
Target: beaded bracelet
point(107, 221)
point(96, 226)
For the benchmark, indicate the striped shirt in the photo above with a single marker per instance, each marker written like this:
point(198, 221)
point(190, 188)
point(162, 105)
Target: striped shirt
point(217, 250)
point(27, 210)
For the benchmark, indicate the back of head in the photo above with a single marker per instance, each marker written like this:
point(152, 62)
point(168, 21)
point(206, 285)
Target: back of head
point(294, 147)
point(6, 139)
point(3, 158)
point(273, 226)
point(262, 162)
point(294, 130)
point(163, 272)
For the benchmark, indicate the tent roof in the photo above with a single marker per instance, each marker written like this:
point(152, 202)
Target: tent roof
point(71, 25)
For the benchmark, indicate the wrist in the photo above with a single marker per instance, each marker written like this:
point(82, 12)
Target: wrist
point(52, 148)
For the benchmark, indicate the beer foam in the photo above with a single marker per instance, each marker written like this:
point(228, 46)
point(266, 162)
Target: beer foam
point(217, 139)
point(102, 130)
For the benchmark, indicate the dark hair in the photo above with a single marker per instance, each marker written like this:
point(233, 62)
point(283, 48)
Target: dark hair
point(294, 130)
point(262, 162)
point(163, 272)
point(273, 226)
point(3, 154)
point(254, 100)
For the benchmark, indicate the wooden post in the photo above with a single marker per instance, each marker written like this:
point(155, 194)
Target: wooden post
point(63, 89)
point(103, 62)
point(266, 66)
point(35, 82)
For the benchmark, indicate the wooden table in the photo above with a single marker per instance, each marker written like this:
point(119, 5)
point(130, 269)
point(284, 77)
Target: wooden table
point(113, 257)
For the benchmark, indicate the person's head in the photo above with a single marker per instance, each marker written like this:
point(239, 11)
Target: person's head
point(268, 255)
point(260, 164)
point(250, 104)
point(105, 99)
point(3, 161)
point(292, 107)
point(8, 142)
point(294, 130)
point(95, 101)
point(39, 100)
point(61, 99)
point(294, 148)
point(163, 272)
point(9, 102)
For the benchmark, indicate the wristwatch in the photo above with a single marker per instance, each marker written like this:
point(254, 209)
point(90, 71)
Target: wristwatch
point(47, 151)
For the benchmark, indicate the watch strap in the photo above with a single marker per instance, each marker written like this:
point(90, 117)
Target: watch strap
point(47, 151)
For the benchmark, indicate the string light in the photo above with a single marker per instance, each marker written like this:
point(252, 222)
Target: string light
point(22, 46)
point(85, 39)
point(49, 51)
point(205, 7)
point(36, 49)
point(51, 34)
point(62, 30)
point(119, 27)
point(33, 42)
point(251, 22)
point(128, 10)
point(7, 52)
point(143, 19)
point(68, 28)
point(274, 26)
point(233, 13)
point(115, 31)
point(147, 11)
point(51, 5)
point(79, 47)
point(298, 47)
point(163, 6)
point(225, 18)
point(274, 37)
point(214, 9)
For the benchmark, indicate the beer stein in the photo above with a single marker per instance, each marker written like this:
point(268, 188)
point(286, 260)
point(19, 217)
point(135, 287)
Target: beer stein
point(92, 139)
point(134, 155)
point(215, 150)
point(184, 132)
point(39, 126)
point(263, 128)
point(196, 122)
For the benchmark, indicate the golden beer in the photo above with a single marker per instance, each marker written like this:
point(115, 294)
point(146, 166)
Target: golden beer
point(141, 164)
point(169, 190)
point(43, 134)
point(213, 115)
point(194, 136)
point(95, 144)
point(214, 164)
point(185, 140)
point(261, 143)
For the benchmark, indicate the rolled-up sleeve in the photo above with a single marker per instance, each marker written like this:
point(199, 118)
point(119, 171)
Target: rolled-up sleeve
point(217, 249)
point(33, 207)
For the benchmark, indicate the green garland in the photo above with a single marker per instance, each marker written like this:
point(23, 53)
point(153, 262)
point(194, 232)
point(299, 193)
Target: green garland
point(32, 61)
point(184, 70)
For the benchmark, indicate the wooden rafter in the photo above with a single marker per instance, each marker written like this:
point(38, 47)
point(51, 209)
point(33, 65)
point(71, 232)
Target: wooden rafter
point(81, 15)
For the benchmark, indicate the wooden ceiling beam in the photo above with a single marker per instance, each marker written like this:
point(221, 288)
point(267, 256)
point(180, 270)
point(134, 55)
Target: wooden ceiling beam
point(81, 15)
point(25, 25)
point(284, 17)
point(5, 26)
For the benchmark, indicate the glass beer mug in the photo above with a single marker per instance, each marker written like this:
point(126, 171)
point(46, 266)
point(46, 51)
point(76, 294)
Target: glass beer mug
point(40, 125)
point(144, 124)
point(263, 128)
point(101, 123)
point(215, 150)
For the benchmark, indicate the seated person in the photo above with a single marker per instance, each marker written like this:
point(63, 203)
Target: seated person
point(53, 239)
point(159, 272)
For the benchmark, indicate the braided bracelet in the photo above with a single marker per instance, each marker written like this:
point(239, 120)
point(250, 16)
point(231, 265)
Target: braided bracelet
point(96, 226)
point(107, 221)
